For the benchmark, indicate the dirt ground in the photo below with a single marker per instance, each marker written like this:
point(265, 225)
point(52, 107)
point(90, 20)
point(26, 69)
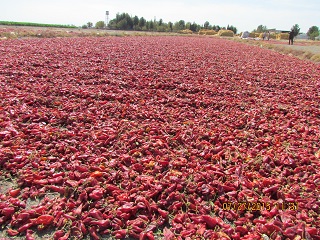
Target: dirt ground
point(315, 49)
point(24, 31)
point(303, 49)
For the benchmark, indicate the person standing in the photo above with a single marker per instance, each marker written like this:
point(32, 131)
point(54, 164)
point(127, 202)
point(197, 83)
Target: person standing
point(291, 36)
point(268, 35)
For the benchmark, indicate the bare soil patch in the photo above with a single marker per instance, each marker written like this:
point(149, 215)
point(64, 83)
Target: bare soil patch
point(303, 49)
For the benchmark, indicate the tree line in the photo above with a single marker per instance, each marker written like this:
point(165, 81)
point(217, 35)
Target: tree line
point(312, 33)
point(123, 21)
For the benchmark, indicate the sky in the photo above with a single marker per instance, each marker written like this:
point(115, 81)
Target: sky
point(245, 15)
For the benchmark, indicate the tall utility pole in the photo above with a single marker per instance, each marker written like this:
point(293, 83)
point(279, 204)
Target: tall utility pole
point(107, 18)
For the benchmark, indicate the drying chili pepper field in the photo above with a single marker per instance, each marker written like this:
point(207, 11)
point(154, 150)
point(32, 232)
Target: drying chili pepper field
point(161, 137)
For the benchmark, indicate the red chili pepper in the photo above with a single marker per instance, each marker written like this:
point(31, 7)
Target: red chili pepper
point(29, 235)
point(56, 180)
point(124, 216)
point(70, 204)
point(87, 220)
point(117, 223)
point(290, 232)
point(72, 183)
point(259, 220)
point(12, 232)
point(14, 192)
point(82, 168)
point(40, 210)
point(236, 236)
point(25, 227)
point(127, 208)
point(17, 202)
point(179, 218)
point(137, 167)
point(163, 213)
point(133, 234)
point(40, 181)
point(168, 234)
point(227, 188)
point(93, 233)
point(102, 224)
point(65, 236)
point(119, 234)
point(95, 213)
point(58, 189)
point(242, 230)
point(7, 211)
point(83, 197)
point(111, 188)
point(210, 221)
point(312, 231)
point(197, 219)
point(20, 218)
point(70, 217)
point(57, 216)
point(58, 174)
point(78, 210)
point(272, 227)
point(150, 236)
point(271, 189)
point(136, 229)
point(44, 220)
point(96, 174)
point(187, 233)
point(176, 206)
point(83, 228)
point(96, 194)
point(58, 234)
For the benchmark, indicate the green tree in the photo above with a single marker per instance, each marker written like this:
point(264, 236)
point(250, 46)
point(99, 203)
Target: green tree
point(179, 26)
point(313, 32)
point(90, 24)
point(182, 24)
point(100, 25)
point(142, 22)
point(136, 23)
point(296, 29)
point(188, 24)
point(123, 24)
point(194, 27)
point(163, 27)
point(129, 21)
point(150, 25)
point(170, 26)
point(216, 28)
point(122, 21)
point(261, 29)
point(206, 25)
point(232, 28)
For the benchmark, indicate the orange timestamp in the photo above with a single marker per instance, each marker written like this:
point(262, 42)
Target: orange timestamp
point(259, 206)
